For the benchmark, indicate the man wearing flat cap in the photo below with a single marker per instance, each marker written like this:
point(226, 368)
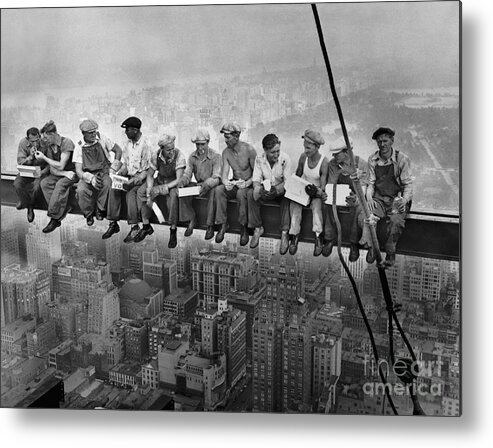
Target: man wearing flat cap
point(28, 189)
point(389, 193)
point(136, 155)
point(170, 163)
point(272, 168)
point(93, 165)
point(339, 173)
point(205, 164)
point(240, 157)
point(57, 185)
point(313, 167)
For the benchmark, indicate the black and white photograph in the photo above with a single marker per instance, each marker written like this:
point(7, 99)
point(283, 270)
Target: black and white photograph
point(232, 208)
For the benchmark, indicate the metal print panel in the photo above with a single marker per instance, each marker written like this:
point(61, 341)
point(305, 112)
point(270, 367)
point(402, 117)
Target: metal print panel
point(236, 299)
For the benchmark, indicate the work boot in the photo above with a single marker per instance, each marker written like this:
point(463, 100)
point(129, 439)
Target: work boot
point(370, 255)
point(52, 225)
point(191, 226)
point(317, 249)
point(112, 229)
point(30, 214)
point(19, 206)
point(209, 233)
point(90, 220)
point(244, 236)
point(327, 248)
point(259, 231)
point(353, 253)
point(222, 231)
point(172, 239)
point(389, 260)
point(132, 234)
point(99, 215)
point(284, 243)
point(293, 246)
point(146, 230)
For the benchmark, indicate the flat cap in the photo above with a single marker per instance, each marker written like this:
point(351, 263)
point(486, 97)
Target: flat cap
point(382, 130)
point(132, 122)
point(339, 145)
point(88, 125)
point(201, 136)
point(229, 128)
point(313, 137)
point(48, 127)
point(166, 140)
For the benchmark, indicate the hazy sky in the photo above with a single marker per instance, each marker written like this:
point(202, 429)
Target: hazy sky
point(64, 47)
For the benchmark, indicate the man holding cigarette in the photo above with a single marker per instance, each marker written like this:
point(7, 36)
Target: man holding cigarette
point(269, 175)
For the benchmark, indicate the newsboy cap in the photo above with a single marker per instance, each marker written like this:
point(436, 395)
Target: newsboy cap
point(313, 137)
point(132, 122)
point(48, 127)
point(382, 130)
point(229, 128)
point(88, 125)
point(201, 136)
point(166, 139)
point(339, 145)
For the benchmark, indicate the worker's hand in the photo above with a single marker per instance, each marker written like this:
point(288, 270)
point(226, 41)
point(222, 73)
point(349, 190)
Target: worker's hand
point(351, 200)
point(270, 195)
point(280, 190)
point(372, 219)
point(115, 166)
point(207, 185)
point(370, 202)
point(97, 182)
point(229, 185)
point(241, 184)
point(257, 192)
point(69, 174)
point(39, 155)
point(149, 202)
point(311, 190)
point(356, 175)
point(322, 194)
point(401, 206)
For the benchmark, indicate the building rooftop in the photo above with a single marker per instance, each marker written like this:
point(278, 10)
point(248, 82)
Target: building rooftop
point(136, 290)
point(180, 296)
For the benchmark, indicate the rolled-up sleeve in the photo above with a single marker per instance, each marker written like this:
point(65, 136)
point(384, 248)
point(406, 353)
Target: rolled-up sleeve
point(257, 175)
point(406, 178)
point(77, 155)
point(180, 161)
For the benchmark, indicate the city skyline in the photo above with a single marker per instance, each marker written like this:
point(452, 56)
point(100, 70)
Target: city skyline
point(224, 327)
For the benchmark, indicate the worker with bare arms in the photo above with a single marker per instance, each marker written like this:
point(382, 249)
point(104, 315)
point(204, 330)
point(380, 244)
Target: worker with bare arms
point(240, 157)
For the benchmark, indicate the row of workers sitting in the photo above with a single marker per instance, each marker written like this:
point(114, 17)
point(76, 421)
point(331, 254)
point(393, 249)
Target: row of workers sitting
point(257, 179)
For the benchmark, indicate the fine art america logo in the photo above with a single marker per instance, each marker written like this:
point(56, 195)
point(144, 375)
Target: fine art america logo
point(402, 369)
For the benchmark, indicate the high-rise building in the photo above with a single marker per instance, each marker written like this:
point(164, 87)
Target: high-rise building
point(74, 249)
point(137, 253)
point(267, 248)
point(43, 249)
point(24, 291)
point(267, 366)
point(356, 268)
point(74, 278)
point(138, 300)
point(41, 339)
point(231, 340)
point(103, 309)
point(327, 352)
point(181, 255)
point(284, 288)
point(216, 274)
point(296, 365)
point(9, 247)
point(108, 250)
point(161, 274)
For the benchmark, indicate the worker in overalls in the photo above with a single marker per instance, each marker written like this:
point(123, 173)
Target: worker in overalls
point(28, 189)
point(389, 193)
point(170, 163)
point(93, 166)
point(313, 167)
point(339, 173)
